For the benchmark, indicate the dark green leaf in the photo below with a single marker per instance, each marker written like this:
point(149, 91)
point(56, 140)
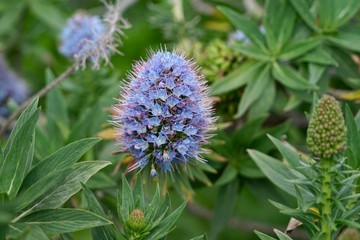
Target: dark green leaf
point(48, 13)
point(280, 26)
point(319, 56)
point(166, 224)
point(348, 40)
point(251, 51)
point(228, 175)
point(353, 140)
point(127, 200)
point(138, 193)
point(12, 14)
point(262, 105)
point(236, 78)
point(253, 91)
point(326, 14)
point(299, 48)
point(345, 10)
point(290, 78)
point(64, 220)
point(224, 207)
point(248, 27)
point(303, 9)
point(103, 232)
point(56, 113)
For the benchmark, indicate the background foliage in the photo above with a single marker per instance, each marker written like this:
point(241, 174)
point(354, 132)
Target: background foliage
point(266, 63)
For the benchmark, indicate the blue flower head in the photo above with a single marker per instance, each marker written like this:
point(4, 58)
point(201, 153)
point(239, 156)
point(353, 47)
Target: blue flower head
point(85, 37)
point(81, 36)
point(165, 114)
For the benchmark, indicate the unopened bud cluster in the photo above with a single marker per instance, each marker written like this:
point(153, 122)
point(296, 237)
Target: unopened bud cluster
point(326, 131)
point(136, 221)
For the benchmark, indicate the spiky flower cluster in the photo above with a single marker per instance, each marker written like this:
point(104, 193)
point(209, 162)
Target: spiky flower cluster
point(11, 87)
point(90, 37)
point(164, 115)
point(326, 131)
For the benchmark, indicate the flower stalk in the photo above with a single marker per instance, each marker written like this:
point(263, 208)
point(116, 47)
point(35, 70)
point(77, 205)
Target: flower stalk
point(326, 193)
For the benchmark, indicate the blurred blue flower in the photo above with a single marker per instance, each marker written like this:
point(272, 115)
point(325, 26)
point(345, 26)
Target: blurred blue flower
point(85, 37)
point(165, 114)
point(11, 88)
point(81, 36)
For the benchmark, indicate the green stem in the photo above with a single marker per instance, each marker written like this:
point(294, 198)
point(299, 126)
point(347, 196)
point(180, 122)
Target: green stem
point(326, 193)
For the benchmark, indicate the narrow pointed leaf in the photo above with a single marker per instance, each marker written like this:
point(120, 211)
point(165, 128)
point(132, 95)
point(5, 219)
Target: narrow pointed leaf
point(236, 78)
point(64, 220)
point(299, 48)
point(254, 90)
point(248, 27)
point(251, 51)
point(16, 160)
point(290, 78)
point(303, 10)
point(61, 159)
point(80, 173)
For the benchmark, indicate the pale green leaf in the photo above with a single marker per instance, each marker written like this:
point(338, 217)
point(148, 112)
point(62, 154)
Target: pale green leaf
point(63, 158)
point(16, 160)
point(64, 220)
point(79, 173)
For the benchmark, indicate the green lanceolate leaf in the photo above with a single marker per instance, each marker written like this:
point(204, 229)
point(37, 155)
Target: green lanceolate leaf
point(39, 190)
point(353, 140)
point(33, 233)
point(290, 78)
point(28, 112)
point(251, 51)
point(61, 159)
point(104, 232)
point(253, 91)
point(344, 11)
point(138, 193)
point(281, 235)
point(248, 27)
point(236, 78)
point(16, 160)
point(348, 40)
point(319, 56)
point(78, 174)
point(277, 172)
point(48, 13)
point(126, 203)
point(292, 157)
point(326, 13)
point(166, 225)
point(262, 105)
point(56, 113)
point(64, 220)
point(263, 236)
point(202, 237)
point(299, 48)
point(280, 26)
point(303, 9)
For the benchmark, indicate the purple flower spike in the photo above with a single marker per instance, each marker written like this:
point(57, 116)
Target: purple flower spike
point(180, 117)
